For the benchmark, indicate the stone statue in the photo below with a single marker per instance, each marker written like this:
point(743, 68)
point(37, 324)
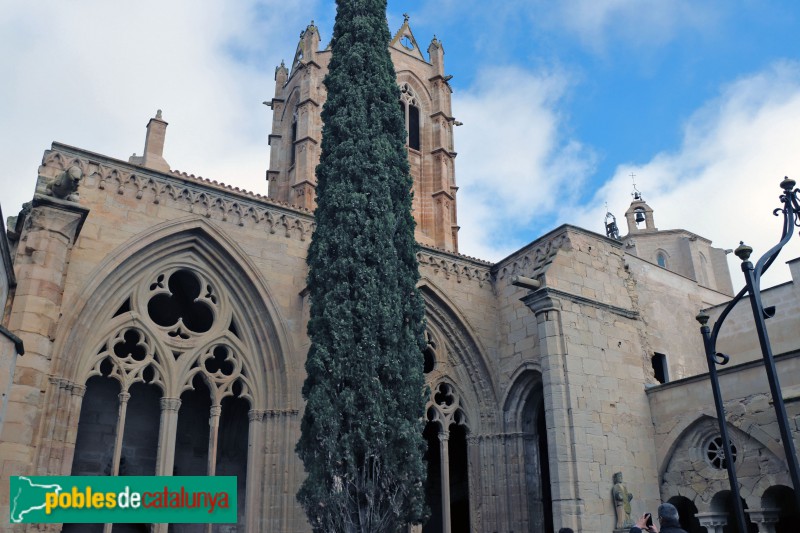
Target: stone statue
point(65, 185)
point(622, 502)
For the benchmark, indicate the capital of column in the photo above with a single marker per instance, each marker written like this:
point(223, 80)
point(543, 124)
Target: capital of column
point(256, 415)
point(124, 397)
point(216, 410)
point(764, 516)
point(712, 519)
point(541, 301)
point(170, 404)
point(444, 436)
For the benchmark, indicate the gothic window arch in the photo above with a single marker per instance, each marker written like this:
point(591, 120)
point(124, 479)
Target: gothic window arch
point(174, 356)
point(409, 102)
point(447, 490)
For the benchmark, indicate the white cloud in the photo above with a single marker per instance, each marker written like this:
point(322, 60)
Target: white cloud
point(638, 22)
point(513, 164)
point(91, 74)
point(722, 183)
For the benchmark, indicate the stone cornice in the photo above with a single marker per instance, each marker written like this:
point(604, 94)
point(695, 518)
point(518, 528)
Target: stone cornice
point(448, 264)
point(546, 298)
point(186, 192)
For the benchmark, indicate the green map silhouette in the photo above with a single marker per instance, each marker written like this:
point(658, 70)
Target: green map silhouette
point(28, 497)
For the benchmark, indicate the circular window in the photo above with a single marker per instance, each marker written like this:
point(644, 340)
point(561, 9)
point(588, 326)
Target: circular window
point(407, 43)
point(715, 453)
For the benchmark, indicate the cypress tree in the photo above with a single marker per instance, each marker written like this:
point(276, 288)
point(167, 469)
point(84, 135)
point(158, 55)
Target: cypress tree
point(361, 439)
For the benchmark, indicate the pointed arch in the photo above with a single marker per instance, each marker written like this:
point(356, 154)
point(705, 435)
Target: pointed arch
point(419, 86)
point(526, 381)
point(669, 443)
point(472, 366)
point(171, 245)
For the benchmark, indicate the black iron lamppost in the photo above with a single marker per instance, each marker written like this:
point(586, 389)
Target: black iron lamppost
point(791, 218)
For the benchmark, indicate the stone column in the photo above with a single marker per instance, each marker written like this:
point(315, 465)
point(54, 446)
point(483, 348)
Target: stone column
point(765, 519)
point(255, 469)
point(123, 410)
point(558, 408)
point(445, 461)
point(713, 521)
point(213, 422)
point(165, 460)
point(50, 230)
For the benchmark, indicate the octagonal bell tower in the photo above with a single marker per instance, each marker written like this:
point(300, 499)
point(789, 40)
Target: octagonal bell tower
point(425, 97)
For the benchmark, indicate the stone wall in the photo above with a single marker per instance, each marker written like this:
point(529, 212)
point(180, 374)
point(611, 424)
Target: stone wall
point(737, 336)
point(685, 424)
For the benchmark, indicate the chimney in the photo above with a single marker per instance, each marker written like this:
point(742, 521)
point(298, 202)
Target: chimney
point(154, 144)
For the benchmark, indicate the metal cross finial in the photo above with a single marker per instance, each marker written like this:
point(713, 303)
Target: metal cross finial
point(636, 192)
point(405, 18)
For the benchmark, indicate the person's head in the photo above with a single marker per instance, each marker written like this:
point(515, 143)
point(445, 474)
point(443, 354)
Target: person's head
point(565, 530)
point(618, 477)
point(668, 513)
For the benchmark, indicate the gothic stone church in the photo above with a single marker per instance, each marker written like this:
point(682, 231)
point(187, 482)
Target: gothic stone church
point(164, 315)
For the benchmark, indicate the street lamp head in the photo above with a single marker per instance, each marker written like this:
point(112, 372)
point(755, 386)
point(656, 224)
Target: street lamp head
point(702, 317)
point(788, 184)
point(743, 251)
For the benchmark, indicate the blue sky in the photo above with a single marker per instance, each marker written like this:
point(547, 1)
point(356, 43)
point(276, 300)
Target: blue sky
point(561, 101)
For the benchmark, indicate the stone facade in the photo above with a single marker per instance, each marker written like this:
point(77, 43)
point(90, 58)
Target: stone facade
point(164, 319)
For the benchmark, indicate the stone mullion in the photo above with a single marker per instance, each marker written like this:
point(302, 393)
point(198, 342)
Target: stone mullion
point(213, 434)
point(123, 410)
point(165, 461)
point(444, 455)
point(213, 440)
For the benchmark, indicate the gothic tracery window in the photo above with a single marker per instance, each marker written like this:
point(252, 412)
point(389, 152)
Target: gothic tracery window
point(446, 434)
point(170, 372)
point(409, 102)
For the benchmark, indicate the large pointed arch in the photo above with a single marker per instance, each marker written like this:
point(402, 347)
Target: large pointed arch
point(471, 369)
point(170, 245)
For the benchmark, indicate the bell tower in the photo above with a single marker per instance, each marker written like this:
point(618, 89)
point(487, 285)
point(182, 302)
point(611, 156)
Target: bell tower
point(425, 97)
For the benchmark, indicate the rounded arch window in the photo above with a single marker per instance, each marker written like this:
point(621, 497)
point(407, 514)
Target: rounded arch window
point(661, 259)
point(715, 453)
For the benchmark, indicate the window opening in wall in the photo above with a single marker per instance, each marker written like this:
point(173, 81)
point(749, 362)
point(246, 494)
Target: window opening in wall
point(293, 156)
point(715, 453)
point(180, 303)
point(124, 308)
point(413, 127)
point(659, 362)
point(661, 260)
point(429, 355)
point(459, 478)
point(433, 486)
point(410, 106)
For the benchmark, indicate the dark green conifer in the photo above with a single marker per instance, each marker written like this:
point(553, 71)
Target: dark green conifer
point(361, 439)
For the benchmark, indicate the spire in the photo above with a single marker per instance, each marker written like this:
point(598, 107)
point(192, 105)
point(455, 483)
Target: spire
point(307, 47)
point(436, 54)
